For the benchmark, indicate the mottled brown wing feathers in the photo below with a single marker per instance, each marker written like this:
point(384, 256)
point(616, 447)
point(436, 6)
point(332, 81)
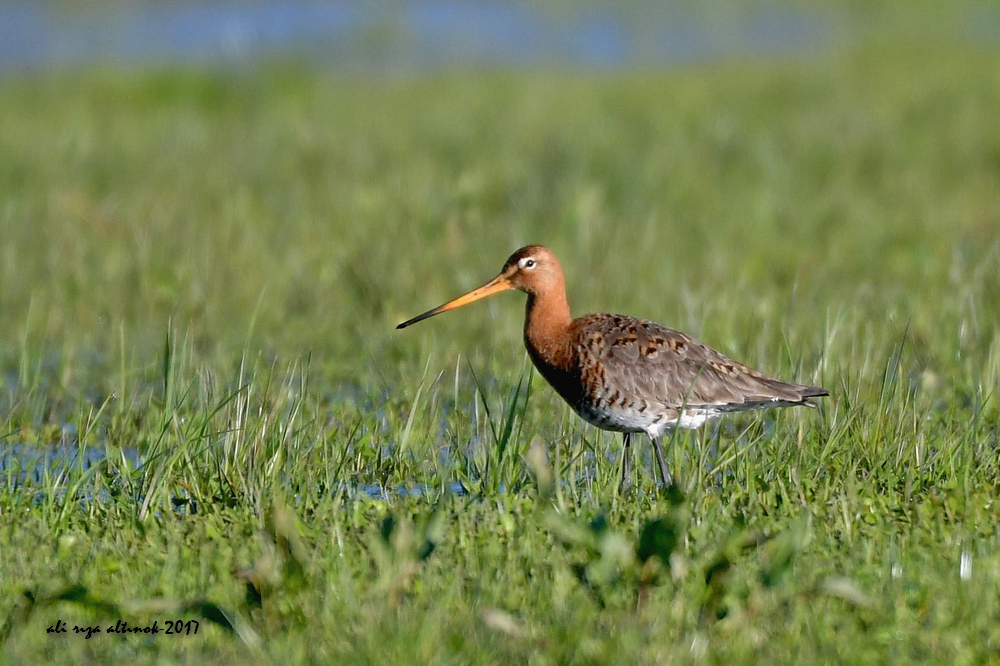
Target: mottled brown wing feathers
point(660, 365)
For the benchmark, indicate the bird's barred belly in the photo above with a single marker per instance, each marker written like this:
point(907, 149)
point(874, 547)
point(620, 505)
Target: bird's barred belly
point(654, 422)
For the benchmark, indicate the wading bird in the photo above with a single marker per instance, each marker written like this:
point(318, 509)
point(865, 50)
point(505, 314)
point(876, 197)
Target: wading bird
point(626, 374)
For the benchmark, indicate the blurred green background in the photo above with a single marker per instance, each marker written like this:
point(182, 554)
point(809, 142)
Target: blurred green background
point(329, 198)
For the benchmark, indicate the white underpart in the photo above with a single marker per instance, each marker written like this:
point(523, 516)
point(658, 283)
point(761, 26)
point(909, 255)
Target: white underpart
point(654, 422)
point(648, 421)
point(688, 420)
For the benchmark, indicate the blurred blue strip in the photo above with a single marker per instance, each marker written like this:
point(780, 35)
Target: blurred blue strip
point(423, 33)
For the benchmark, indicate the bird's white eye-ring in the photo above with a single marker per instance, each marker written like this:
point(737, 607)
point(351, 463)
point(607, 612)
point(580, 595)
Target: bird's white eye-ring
point(527, 263)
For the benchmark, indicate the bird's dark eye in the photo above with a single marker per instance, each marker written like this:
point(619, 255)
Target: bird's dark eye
point(527, 263)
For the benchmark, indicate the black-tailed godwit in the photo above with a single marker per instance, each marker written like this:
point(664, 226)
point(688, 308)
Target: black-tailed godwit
point(626, 374)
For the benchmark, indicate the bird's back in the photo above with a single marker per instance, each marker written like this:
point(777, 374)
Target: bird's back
point(637, 375)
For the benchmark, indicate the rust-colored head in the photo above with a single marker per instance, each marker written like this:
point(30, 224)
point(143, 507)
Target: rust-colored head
point(532, 269)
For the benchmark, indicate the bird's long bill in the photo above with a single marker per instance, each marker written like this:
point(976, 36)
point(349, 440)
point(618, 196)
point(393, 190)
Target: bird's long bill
point(494, 286)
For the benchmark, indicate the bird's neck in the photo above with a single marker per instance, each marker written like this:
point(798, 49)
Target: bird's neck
point(546, 328)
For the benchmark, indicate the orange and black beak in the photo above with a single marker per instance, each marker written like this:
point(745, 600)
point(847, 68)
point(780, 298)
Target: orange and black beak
point(494, 286)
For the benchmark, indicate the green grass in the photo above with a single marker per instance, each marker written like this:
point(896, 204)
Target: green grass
point(209, 267)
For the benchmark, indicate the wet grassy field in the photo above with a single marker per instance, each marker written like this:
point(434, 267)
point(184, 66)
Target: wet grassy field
point(206, 269)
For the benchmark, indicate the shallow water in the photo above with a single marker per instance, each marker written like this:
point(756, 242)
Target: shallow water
point(380, 35)
point(21, 463)
point(55, 466)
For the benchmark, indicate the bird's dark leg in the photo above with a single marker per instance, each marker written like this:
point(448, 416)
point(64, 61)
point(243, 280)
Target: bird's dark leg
point(661, 461)
point(626, 484)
